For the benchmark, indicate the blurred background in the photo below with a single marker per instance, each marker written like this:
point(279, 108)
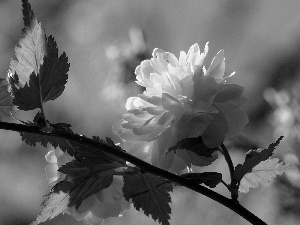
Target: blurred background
point(106, 39)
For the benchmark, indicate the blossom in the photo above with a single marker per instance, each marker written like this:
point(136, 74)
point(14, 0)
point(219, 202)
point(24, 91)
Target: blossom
point(182, 100)
point(108, 202)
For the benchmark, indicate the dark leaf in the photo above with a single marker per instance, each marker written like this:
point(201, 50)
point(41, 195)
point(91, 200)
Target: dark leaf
point(28, 96)
point(28, 14)
point(195, 145)
point(211, 179)
point(53, 73)
point(6, 104)
point(67, 146)
point(149, 193)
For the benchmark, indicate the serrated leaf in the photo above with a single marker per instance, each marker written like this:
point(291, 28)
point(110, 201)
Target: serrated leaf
point(211, 179)
point(6, 104)
point(85, 179)
point(38, 75)
point(65, 145)
point(54, 204)
point(195, 145)
point(47, 85)
point(253, 158)
point(149, 193)
point(264, 172)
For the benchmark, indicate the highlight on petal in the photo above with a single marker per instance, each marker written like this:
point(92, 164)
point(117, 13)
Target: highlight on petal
point(217, 67)
point(171, 104)
point(50, 157)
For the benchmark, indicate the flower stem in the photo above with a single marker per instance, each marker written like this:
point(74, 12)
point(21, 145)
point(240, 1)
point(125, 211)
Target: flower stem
point(232, 188)
point(113, 150)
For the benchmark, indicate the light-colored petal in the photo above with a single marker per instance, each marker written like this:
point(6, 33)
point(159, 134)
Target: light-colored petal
point(50, 157)
point(217, 67)
point(171, 104)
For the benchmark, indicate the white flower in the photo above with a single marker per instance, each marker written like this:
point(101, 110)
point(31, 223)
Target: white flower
point(182, 99)
point(108, 202)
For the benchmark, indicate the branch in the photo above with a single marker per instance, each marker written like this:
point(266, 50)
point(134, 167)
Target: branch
point(229, 203)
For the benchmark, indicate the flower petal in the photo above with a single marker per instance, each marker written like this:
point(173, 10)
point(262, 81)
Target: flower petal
point(217, 67)
point(214, 134)
point(236, 118)
point(229, 92)
point(50, 157)
point(171, 104)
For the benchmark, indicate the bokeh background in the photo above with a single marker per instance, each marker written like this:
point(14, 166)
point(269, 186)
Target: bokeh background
point(105, 40)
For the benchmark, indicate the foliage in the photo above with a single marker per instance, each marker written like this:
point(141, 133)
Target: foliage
point(54, 204)
point(150, 193)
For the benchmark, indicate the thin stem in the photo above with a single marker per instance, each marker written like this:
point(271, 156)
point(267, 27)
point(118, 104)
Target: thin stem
point(226, 185)
point(229, 203)
point(233, 188)
point(228, 160)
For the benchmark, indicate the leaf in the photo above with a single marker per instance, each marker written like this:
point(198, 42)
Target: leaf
point(264, 172)
point(86, 178)
point(65, 145)
point(211, 179)
point(253, 158)
point(195, 145)
point(149, 193)
point(6, 104)
point(54, 204)
point(39, 75)
point(47, 84)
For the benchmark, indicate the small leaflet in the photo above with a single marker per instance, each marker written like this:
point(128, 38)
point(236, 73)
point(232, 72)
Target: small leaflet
point(253, 158)
point(149, 193)
point(54, 204)
point(264, 172)
point(6, 105)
